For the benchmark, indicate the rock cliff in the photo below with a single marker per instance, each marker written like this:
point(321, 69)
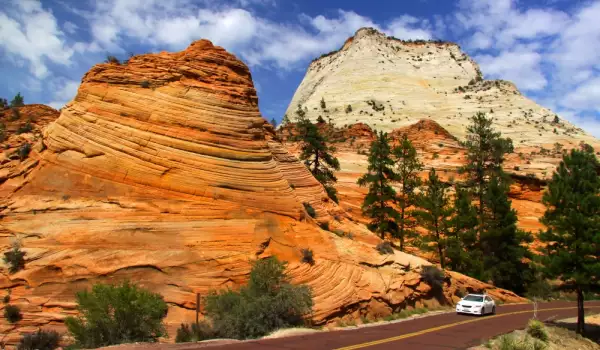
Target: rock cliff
point(162, 171)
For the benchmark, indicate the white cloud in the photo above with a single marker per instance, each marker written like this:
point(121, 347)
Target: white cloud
point(409, 27)
point(585, 97)
point(70, 27)
point(65, 90)
point(29, 32)
point(521, 66)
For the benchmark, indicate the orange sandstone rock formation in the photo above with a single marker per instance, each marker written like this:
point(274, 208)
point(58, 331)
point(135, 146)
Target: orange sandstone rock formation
point(162, 171)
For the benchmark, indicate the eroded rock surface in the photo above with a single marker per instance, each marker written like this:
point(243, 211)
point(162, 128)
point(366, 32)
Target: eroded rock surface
point(162, 171)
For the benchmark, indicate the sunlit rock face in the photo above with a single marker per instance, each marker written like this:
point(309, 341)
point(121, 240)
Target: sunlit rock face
point(163, 172)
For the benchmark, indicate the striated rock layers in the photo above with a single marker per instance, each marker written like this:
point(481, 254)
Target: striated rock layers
point(162, 171)
point(389, 84)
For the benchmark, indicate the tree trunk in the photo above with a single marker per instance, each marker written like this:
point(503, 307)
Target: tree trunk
point(402, 228)
point(580, 312)
point(440, 250)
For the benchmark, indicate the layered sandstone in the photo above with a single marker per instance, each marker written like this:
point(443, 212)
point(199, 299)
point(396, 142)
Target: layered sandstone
point(390, 84)
point(162, 171)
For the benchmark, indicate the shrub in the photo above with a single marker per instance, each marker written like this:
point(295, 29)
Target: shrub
point(320, 120)
point(307, 256)
point(6, 298)
point(2, 132)
point(12, 313)
point(348, 108)
point(17, 101)
point(24, 128)
point(267, 303)
point(16, 115)
point(24, 151)
point(40, 340)
point(145, 84)
point(323, 104)
point(310, 210)
point(112, 59)
point(3, 104)
point(331, 193)
point(537, 330)
point(384, 248)
point(433, 276)
point(540, 289)
point(110, 315)
point(194, 332)
point(324, 226)
point(15, 258)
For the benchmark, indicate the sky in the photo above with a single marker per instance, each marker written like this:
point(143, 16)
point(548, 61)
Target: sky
point(549, 48)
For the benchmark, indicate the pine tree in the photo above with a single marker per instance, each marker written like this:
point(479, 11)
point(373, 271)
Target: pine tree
point(285, 120)
point(572, 216)
point(505, 255)
point(485, 155)
point(17, 101)
point(316, 153)
point(434, 214)
point(407, 170)
point(273, 122)
point(323, 105)
point(377, 205)
point(462, 250)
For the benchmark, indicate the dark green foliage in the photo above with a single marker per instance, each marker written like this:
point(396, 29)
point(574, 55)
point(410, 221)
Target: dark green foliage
point(434, 214)
point(273, 122)
point(323, 104)
point(310, 210)
point(384, 248)
point(12, 313)
point(307, 256)
point(556, 119)
point(537, 330)
point(377, 203)
point(316, 153)
point(25, 128)
point(572, 216)
point(348, 108)
point(408, 167)
point(15, 258)
point(17, 101)
point(434, 277)
point(3, 104)
point(2, 132)
point(285, 120)
point(112, 59)
point(502, 243)
point(539, 288)
point(267, 303)
point(462, 252)
point(145, 84)
point(320, 120)
point(116, 314)
point(16, 115)
point(194, 332)
point(40, 340)
point(24, 151)
point(6, 299)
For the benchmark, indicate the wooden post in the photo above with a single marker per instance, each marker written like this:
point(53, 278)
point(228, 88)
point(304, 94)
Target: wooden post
point(197, 306)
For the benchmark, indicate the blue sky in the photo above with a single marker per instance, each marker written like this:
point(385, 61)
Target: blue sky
point(549, 48)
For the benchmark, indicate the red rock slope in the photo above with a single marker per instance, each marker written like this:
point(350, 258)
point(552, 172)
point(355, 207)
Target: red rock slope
point(162, 171)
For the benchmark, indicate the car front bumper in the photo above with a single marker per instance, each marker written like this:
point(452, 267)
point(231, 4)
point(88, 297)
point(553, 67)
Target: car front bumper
point(470, 310)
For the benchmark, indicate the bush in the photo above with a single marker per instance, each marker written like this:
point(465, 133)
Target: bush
point(348, 109)
point(320, 120)
point(385, 248)
point(17, 101)
point(540, 289)
point(267, 303)
point(2, 132)
point(110, 315)
point(24, 128)
point(112, 59)
point(24, 151)
point(6, 299)
point(145, 84)
point(194, 332)
point(537, 330)
point(40, 340)
point(15, 258)
point(3, 104)
point(12, 313)
point(433, 276)
point(16, 115)
point(331, 193)
point(310, 210)
point(307, 256)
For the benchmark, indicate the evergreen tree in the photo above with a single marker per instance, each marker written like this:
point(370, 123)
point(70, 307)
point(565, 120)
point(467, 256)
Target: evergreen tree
point(380, 174)
point(273, 122)
point(434, 214)
point(3, 104)
point(285, 120)
point(485, 155)
point(572, 216)
point(462, 250)
point(505, 255)
point(407, 170)
point(17, 101)
point(323, 105)
point(316, 153)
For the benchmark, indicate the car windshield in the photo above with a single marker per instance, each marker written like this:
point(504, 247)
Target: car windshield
point(473, 298)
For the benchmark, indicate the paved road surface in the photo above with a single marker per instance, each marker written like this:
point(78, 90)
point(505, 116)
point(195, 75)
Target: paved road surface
point(439, 332)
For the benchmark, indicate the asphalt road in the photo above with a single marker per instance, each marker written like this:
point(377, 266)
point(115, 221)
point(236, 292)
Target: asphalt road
point(437, 332)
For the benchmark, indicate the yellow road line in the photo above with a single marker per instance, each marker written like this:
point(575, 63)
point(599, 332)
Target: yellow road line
point(435, 329)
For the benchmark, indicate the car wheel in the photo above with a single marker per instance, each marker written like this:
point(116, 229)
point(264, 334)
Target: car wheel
point(494, 310)
point(482, 312)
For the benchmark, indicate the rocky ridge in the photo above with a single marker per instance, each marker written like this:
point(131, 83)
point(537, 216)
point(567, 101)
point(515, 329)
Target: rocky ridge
point(162, 171)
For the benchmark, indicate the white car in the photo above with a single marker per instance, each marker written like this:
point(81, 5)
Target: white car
point(478, 304)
